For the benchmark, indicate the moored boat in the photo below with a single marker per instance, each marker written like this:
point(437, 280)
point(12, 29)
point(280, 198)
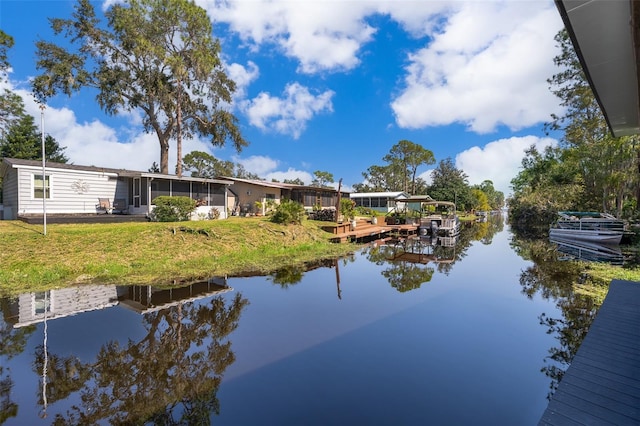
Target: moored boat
point(589, 251)
point(595, 235)
point(445, 224)
point(588, 226)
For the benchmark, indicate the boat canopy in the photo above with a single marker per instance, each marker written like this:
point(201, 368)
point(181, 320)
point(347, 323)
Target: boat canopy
point(419, 201)
point(586, 214)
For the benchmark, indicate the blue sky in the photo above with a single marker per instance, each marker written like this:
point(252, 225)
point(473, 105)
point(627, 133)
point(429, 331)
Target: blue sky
point(332, 85)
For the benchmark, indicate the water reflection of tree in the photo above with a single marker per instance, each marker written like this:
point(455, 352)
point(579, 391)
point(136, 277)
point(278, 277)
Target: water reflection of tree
point(175, 370)
point(555, 280)
point(401, 274)
point(289, 275)
point(408, 274)
point(292, 274)
point(12, 343)
point(405, 276)
point(484, 231)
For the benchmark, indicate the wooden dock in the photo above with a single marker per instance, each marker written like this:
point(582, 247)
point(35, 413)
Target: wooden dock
point(365, 230)
point(602, 384)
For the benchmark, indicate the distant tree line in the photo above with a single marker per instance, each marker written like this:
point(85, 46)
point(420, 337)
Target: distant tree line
point(447, 182)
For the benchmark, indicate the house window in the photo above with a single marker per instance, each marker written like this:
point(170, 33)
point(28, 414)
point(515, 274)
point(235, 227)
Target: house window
point(41, 302)
point(39, 190)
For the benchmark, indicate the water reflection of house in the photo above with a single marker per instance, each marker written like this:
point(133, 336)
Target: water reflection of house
point(421, 250)
point(145, 299)
point(32, 308)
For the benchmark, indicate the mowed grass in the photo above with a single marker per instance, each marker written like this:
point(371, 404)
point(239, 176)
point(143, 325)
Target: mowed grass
point(152, 253)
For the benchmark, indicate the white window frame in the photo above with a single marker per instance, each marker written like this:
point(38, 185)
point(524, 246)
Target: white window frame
point(35, 176)
point(38, 301)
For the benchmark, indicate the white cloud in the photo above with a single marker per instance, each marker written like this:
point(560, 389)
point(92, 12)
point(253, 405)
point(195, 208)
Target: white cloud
point(290, 174)
point(289, 114)
point(258, 164)
point(266, 167)
point(486, 67)
point(320, 35)
point(243, 77)
point(499, 161)
point(426, 176)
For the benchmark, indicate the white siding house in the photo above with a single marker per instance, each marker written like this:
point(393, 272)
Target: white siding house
point(72, 189)
point(380, 201)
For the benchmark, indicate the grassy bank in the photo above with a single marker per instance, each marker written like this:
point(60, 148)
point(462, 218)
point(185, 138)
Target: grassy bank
point(152, 253)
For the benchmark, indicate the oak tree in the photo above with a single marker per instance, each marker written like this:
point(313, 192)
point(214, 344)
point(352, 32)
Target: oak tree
point(155, 56)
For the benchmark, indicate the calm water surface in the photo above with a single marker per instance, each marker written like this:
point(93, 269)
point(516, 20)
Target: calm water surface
point(445, 336)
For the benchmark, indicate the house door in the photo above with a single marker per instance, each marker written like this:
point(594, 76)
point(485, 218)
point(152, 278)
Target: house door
point(136, 192)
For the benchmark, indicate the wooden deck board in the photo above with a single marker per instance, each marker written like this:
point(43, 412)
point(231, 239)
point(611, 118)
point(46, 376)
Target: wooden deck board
point(602, 385)
point(627, 384)
point(364, 230)
point(620, 393)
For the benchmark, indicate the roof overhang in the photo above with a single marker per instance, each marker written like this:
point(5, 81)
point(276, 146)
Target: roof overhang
point(160, 176)
point(604, 34)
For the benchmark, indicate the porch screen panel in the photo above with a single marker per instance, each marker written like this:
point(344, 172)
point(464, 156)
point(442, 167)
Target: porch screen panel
point(296, 196)
point(327, 199)
point(309, 199)
point(160, 188)
point(217, 195)
point(144, 193)
point(181, 189)
point(200, 193)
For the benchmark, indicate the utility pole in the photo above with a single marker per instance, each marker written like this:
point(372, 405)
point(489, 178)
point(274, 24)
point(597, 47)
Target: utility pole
point(339, 200)
point(44, 183)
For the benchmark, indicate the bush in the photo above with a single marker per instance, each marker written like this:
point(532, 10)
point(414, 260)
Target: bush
point(347, 208)
point(365, 211)
point(172, 209)
point(288, 212)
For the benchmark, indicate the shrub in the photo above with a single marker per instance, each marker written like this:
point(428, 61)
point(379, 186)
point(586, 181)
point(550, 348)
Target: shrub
point(288, 212)
point(347, 208)
point(172, 209)
point(365, 211)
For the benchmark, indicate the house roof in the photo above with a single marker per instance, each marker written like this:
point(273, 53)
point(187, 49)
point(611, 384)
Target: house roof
point(605, 36)
point(18, 163)
point(394, 194)
point(280, 185)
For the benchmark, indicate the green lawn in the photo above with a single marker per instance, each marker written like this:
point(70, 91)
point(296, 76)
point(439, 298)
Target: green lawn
point(152, 253)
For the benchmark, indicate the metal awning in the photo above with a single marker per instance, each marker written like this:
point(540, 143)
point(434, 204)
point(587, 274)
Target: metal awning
point(604, 34)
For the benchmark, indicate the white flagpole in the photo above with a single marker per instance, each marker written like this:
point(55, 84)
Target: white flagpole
point(44, 186)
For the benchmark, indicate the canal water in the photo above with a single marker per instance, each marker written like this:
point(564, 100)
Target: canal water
point(403, 333)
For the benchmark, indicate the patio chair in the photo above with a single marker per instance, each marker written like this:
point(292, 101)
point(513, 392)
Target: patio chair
point(121, 206)
point(103, 206)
